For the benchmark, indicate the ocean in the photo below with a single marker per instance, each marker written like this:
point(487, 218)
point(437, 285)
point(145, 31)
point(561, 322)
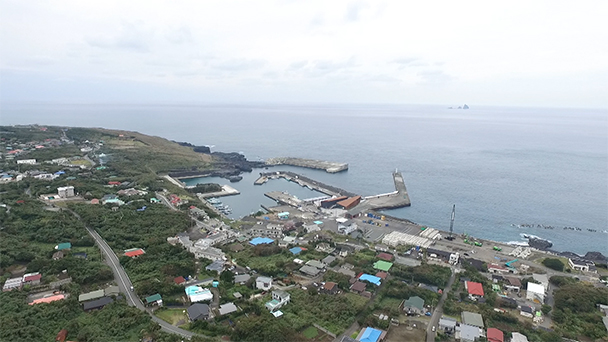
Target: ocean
point(501, 167)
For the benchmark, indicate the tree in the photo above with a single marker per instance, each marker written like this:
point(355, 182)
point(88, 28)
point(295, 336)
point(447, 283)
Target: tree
point(554, 264)
point(227, 277)
point(546, 309)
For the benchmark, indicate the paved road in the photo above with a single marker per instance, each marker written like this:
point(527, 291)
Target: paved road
point(124, 283)
point(430, 334)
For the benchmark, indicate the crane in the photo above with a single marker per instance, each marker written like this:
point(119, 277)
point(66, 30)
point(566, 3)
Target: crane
point(452, 223)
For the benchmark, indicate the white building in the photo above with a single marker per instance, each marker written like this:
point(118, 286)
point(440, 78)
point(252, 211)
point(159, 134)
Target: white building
point(263, 283)
point(66, 191)
point(535, 292)
point(279, 299)
point(542, 279)
point(579, 265)
point(27, 161)
point(517, 337)
point(14, 283)
point(198, 294)
point(210, 253)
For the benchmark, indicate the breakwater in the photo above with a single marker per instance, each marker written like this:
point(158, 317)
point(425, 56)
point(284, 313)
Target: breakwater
point(330, 167)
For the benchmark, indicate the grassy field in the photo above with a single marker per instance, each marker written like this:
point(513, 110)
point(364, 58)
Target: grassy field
point(310, 332)
point(172, 316)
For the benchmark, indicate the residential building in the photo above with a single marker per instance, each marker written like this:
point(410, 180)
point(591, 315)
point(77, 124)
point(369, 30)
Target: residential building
point(580, 265)
point(111, 290)
point(13, 283)
point(27, 161)
point(310, 270)
point(526, 311)
point(468, 333)
point(217, 266)
point(179, 280)
point(154, 299)
point(66, 191)
point(358, 287)
point(328, 260)
point(414, 306)
point(512, 283)
point(330, 288)
point(97, 304)
point(198, 311)
point(370, 278)
point(241, 278)
point(32, 278)
point(270, 230)
point(346, 271)
point(472, 318)
point(58, 255)
point(286, 241)
point(371, 335)
point(91, 295)
point(62, 246)
point(474, 289)
point(447, 325)
point(385, 256)
point(535, 292)
point(316, 263)
point(263, 283)
point(227, 308)
point(495, 335)
point(518, 337)
point(210, 253)
point(383, 265)
point(279, 299)
point(543, 279)
point(495, 268)
point(134, 252)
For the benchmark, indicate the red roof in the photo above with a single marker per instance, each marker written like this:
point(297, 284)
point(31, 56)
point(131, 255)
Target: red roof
point(114, 183)
point(385, 256)
point(135, 253)
point(350, 202)
point(495, 335)
point(33, 277)
point(48, 299)
point(329, 285)
point(475, 289)
point(382, 275)
point(179, 280)
point(63, 334)
point(94, 201)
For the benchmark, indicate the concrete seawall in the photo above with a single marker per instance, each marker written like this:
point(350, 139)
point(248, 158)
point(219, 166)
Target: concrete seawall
point(305, 182)
point(330, 167)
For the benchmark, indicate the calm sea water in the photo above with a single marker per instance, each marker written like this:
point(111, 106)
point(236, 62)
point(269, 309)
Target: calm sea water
point(500, 166)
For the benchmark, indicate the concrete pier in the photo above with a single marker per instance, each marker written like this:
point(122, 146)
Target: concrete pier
point(305, 182)
point(227, 190)
point(284, 198)
point(330, 167)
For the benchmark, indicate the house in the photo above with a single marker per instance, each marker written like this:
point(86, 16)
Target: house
point(179, 280)
point(438, 254)
point(65, 191)
point(80, 255)
point(316, 263)
point(495, 268)
point(414, 306)
point(154, 299)
point(32, 278)
point(310, 270)
point(330, 288)
point(58, 255)
point(286, 241)
point(198, 294)
point(526, 311)
point(535, 292)
point(91, 295)
point(475, 289)
point(261, 241)
point(472, 318)
point(63, 246)
point(328, 260)
point(383, 265)
point(97, 304)
point(385, 256)
point(27, 161)
point(295, 250)
point(468, 333)
point(325, 247)
point(494, 335)
point(448, 325)
point(198, 311)
point(512, 283)
point(210, 253)
point(370, 278)
point(227, 308)
point(371, 335)
point(134, 252)
point(263, 283)
point(237, 295)
point(217, 265)
point(579, 265)
point(518, 337)
point(13, 283)
point(346, 271)
point(382, 275)
point(279, 299)
point(241, 278)
point(358, 287)
point(48, 299)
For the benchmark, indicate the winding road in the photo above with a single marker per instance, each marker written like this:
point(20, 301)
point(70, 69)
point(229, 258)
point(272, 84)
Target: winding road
point(124, 283)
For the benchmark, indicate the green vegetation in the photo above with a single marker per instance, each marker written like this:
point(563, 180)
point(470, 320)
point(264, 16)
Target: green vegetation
point(425, 273)
point(562, 280)
point(310, 332)
point(205, 187)
point(554, 264)
point(173, 316)
point(576, 313)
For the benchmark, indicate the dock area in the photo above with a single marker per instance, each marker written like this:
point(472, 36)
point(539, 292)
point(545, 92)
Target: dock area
point(304, 182)
point(284, 198)
point(330, 167)
point(227, 190)
point(392, 200)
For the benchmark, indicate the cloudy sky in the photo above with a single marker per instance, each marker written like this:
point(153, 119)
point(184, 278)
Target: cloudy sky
point(519, 53)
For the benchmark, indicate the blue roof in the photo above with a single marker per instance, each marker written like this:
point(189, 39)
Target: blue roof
point(370, 335)
point(372, 279)
point(260, 240)
point(295, 250)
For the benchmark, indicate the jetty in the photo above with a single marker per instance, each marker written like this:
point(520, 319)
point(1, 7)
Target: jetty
point(227, 190)
point(330, 167)
point(304, 182)
point(284, 198)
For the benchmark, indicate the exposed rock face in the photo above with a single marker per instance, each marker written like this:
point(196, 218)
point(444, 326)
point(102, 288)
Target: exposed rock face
point(539, 243)
point(237, 161)
point(596, 257)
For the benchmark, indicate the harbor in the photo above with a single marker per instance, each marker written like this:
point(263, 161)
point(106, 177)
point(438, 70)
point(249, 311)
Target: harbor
point(330, 167)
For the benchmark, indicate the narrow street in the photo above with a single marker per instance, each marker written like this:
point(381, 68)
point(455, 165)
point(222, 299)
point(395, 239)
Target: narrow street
point(430, 334)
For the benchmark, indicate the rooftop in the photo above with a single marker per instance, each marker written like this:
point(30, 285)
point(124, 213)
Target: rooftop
point(383, 265)
point(368, 277)
point(48, 299)
point(260, 241)
point(153, 298)
point(472, 318)
point(369, 335)
point(474, 288)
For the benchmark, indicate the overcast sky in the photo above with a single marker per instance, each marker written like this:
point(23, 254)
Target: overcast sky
point(519, 53)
